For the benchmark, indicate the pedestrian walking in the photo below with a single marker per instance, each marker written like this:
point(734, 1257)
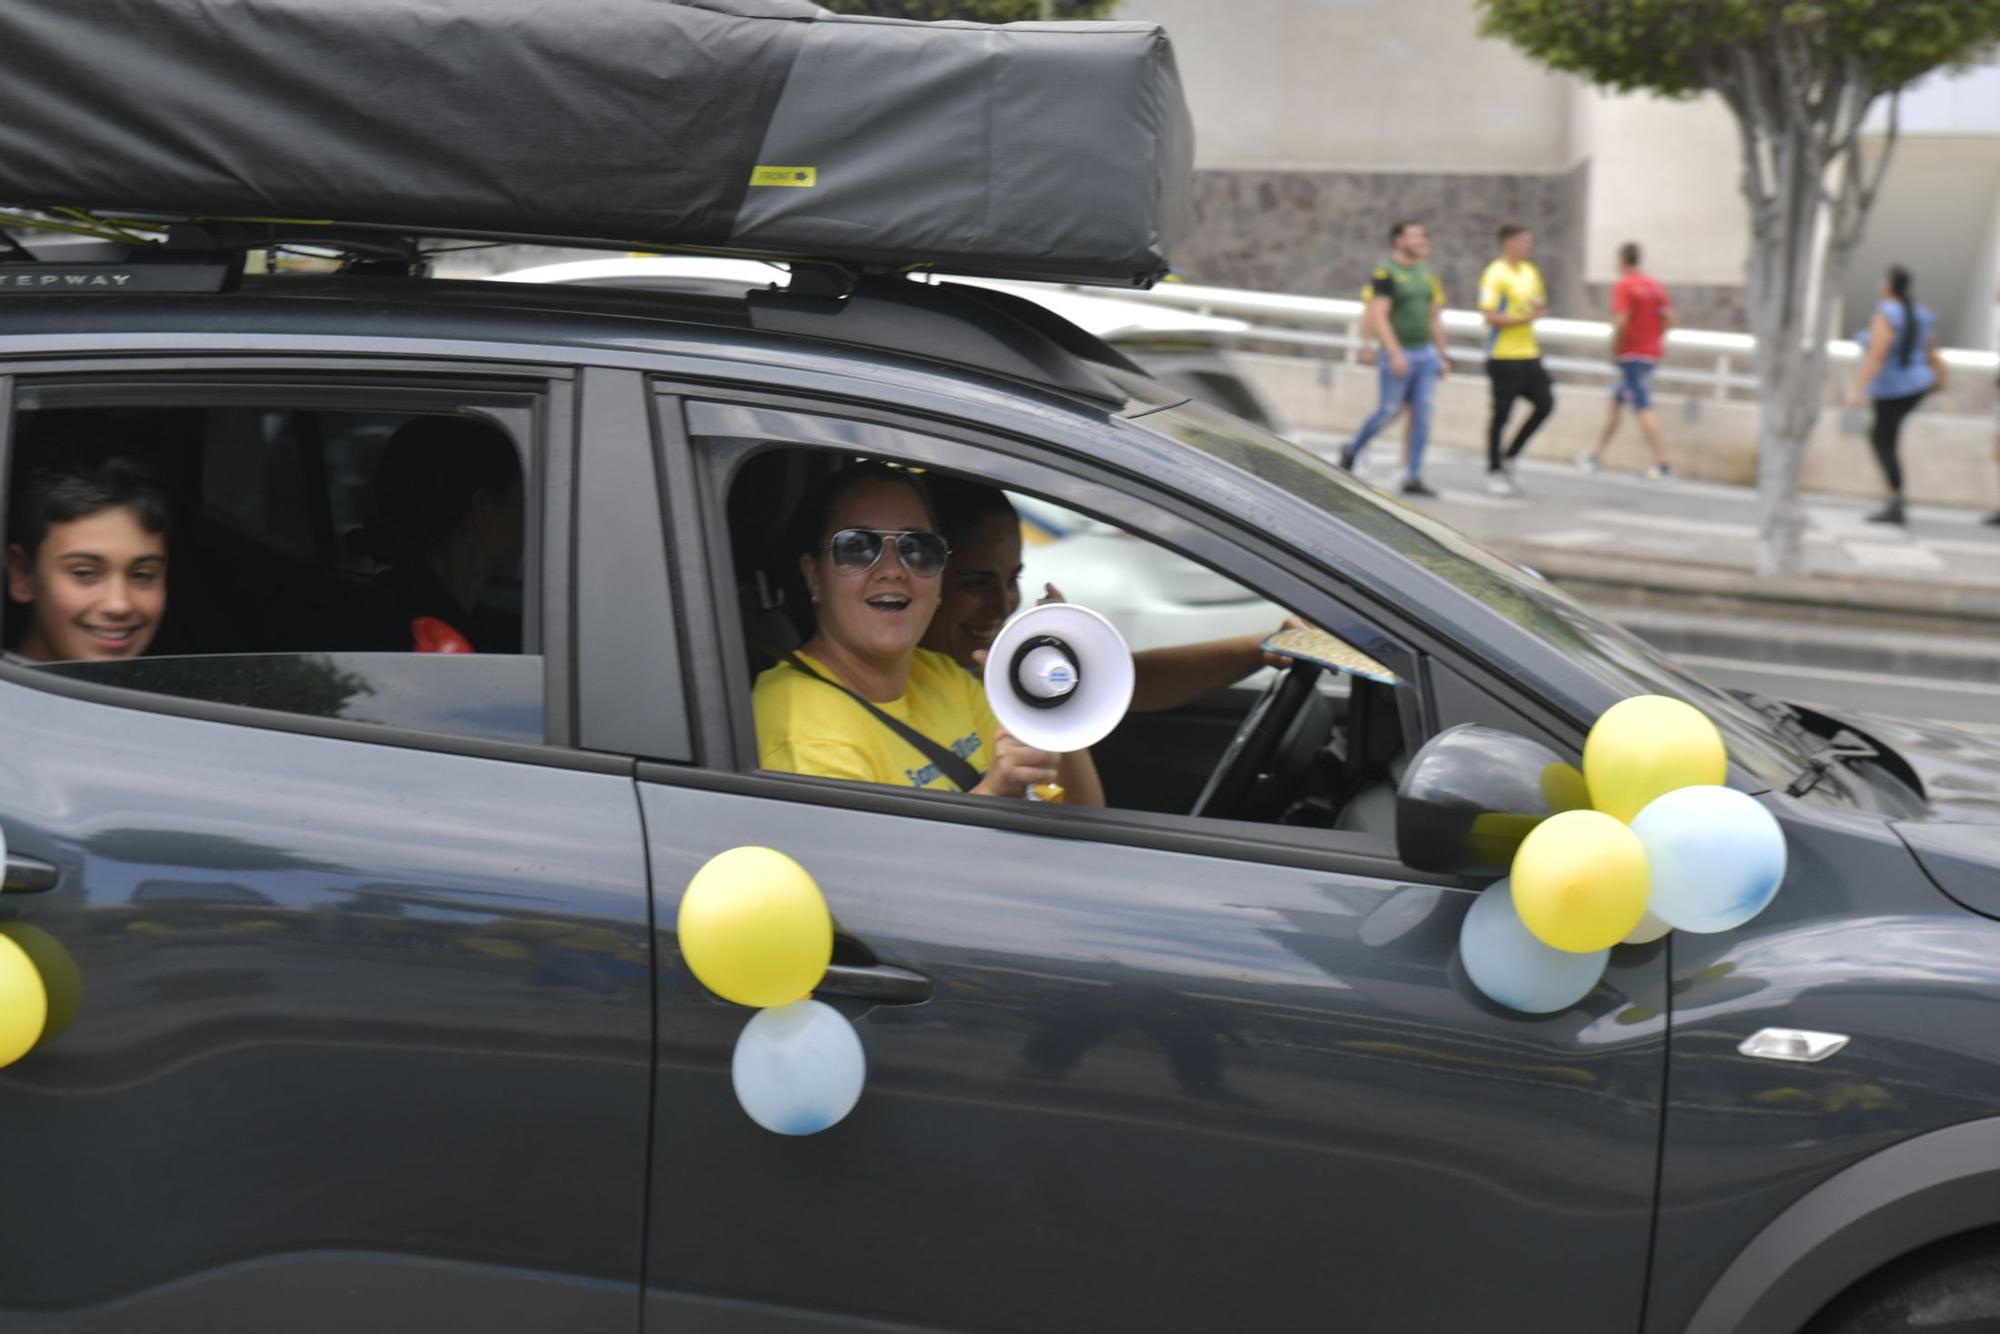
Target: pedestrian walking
point(1902, 366)
point(1511, 297)
point(1366, 329)
point(1405, 317)
point(1641, 314)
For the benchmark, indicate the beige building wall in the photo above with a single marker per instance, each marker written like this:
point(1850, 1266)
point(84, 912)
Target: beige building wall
point(1332, 84)
point(1664, 174)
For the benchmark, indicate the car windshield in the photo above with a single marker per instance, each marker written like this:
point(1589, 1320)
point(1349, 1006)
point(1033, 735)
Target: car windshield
point(1618, 657)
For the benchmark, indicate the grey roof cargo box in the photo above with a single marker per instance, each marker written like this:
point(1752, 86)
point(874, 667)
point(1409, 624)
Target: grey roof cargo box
point(1057, 150)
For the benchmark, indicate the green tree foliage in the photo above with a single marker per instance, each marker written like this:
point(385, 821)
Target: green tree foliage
point(976, 11)
point(1800, 77)
point(1678, 47)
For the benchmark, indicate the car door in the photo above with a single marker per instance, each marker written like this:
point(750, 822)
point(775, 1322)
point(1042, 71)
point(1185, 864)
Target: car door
point(348, 951)
point(1125, 1072)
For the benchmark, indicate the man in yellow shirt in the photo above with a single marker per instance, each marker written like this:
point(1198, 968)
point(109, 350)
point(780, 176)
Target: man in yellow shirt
point(1512, 297)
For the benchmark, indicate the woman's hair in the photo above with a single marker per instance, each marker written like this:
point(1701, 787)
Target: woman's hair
point(1899, 287)
point(80, 482)
point(431, 469)
point(863, 472)
point(962, 505)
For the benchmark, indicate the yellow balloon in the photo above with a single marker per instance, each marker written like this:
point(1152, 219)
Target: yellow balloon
point(62, 981)
point(24, 1005)
point(1646, 747)
point(1581, 881)
point(754, 928)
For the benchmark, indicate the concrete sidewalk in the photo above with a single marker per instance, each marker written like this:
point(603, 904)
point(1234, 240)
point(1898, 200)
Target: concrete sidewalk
point(1677, 563)
point(1617, 536)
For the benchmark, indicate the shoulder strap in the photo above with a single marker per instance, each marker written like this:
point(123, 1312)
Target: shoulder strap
point(952, 765)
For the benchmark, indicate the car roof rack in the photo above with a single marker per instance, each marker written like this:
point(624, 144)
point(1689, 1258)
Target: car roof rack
point(978, 328)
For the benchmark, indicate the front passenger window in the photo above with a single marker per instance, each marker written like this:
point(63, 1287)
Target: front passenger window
point(359, 564)
point(1214, 730)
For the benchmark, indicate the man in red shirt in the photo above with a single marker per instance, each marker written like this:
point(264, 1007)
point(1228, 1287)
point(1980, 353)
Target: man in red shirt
point(1641, 314)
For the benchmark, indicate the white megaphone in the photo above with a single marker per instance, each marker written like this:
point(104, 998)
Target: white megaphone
point(1059, 677)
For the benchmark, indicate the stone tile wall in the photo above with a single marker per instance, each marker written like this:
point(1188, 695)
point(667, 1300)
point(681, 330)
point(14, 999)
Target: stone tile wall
point(1317, 233)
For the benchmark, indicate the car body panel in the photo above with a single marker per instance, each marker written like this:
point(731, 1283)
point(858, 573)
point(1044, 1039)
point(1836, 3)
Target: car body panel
point(1142, 1078)
point(345, 1008)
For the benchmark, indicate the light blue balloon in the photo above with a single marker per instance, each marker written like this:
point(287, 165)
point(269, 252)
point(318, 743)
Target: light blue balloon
point(798, 1068)
point(1512, 968)
point(1717, 857)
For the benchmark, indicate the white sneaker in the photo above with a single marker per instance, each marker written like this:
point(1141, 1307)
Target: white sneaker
point(1660, 472)
point(1586, 460)
point(1500, 484)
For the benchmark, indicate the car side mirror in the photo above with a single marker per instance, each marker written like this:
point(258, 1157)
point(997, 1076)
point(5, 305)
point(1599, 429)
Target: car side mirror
point(1471, 795)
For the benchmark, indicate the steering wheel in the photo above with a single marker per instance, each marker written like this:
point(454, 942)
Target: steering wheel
point(1256, 741)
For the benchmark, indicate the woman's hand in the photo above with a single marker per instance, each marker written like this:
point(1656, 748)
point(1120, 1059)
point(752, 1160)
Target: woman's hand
point(1016, 767)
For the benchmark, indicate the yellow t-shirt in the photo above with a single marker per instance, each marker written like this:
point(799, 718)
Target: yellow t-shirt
point(809, 727)
point(1512, 289)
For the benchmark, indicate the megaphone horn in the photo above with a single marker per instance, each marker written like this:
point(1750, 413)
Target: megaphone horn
point(1045, 672)
point(1059, 677)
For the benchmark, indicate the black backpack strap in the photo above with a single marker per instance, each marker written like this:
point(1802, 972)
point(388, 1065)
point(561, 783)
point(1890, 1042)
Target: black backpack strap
point(952, 765)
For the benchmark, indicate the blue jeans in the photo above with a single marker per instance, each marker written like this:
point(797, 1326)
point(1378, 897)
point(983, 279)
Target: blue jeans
point(1415, 388)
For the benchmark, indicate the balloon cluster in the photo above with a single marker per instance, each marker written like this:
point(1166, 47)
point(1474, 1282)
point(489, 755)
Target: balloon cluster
point(754, 929)
point(1665, 847)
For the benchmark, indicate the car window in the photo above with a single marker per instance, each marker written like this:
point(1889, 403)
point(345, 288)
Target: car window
point(1611, 653)
point(1336, 740)
point(355, 562)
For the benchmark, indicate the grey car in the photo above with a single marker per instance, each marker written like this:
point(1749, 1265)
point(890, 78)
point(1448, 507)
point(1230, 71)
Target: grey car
point(374, 1016)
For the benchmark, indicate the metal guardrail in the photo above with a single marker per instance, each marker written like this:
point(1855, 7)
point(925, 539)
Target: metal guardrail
point(1701, 362)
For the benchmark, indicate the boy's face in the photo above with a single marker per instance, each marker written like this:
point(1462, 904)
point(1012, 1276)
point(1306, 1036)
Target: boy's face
point(98, 586)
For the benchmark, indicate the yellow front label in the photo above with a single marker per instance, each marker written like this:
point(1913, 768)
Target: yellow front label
point(796, 177)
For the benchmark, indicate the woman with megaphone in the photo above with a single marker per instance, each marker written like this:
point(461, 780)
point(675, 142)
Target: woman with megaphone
point(861, 700)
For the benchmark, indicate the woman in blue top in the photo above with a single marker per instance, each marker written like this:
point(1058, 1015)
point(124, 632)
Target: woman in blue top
point(1901, 367)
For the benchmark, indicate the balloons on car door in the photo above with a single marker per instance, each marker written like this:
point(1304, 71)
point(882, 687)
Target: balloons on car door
point(1512, 968)
point(1717, 857)
point(754, 928)
point(798, 1068)
point(24, 1003)
point(1581, 881)
point(1646, 747)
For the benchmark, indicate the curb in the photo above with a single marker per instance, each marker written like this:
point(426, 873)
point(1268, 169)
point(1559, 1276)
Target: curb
point(1973, 607)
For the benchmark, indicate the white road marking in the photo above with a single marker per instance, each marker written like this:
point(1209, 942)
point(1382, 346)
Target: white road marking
point(1892, 556)
point(1573, 537)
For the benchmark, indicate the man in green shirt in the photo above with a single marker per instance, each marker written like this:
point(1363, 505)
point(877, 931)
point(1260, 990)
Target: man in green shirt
point(1405, 302)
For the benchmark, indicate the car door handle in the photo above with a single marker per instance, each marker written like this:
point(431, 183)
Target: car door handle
point(29, 875)
point(880, 982)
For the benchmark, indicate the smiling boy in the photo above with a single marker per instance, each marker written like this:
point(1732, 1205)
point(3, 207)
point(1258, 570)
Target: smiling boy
point(88, 556)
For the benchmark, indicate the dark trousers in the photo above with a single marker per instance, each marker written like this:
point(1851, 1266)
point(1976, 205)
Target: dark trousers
point(1885, 434)
point(1527, 379)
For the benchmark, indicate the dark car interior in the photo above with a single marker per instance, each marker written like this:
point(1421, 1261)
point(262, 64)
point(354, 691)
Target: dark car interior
point(277, 570)
point(1312, 747)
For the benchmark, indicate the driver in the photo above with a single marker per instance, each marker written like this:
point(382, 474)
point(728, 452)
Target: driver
point(861, 700)
point(982, 588)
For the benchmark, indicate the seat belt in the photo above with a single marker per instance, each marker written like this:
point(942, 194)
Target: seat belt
point(952, 765)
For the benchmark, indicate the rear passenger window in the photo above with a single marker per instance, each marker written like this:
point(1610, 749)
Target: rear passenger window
point(337, 562)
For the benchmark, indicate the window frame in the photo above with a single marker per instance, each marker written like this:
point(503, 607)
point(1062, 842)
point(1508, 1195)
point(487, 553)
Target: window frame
point(534, 403)
point(720, 669)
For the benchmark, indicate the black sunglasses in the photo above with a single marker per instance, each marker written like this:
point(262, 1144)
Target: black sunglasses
point(855, 551)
